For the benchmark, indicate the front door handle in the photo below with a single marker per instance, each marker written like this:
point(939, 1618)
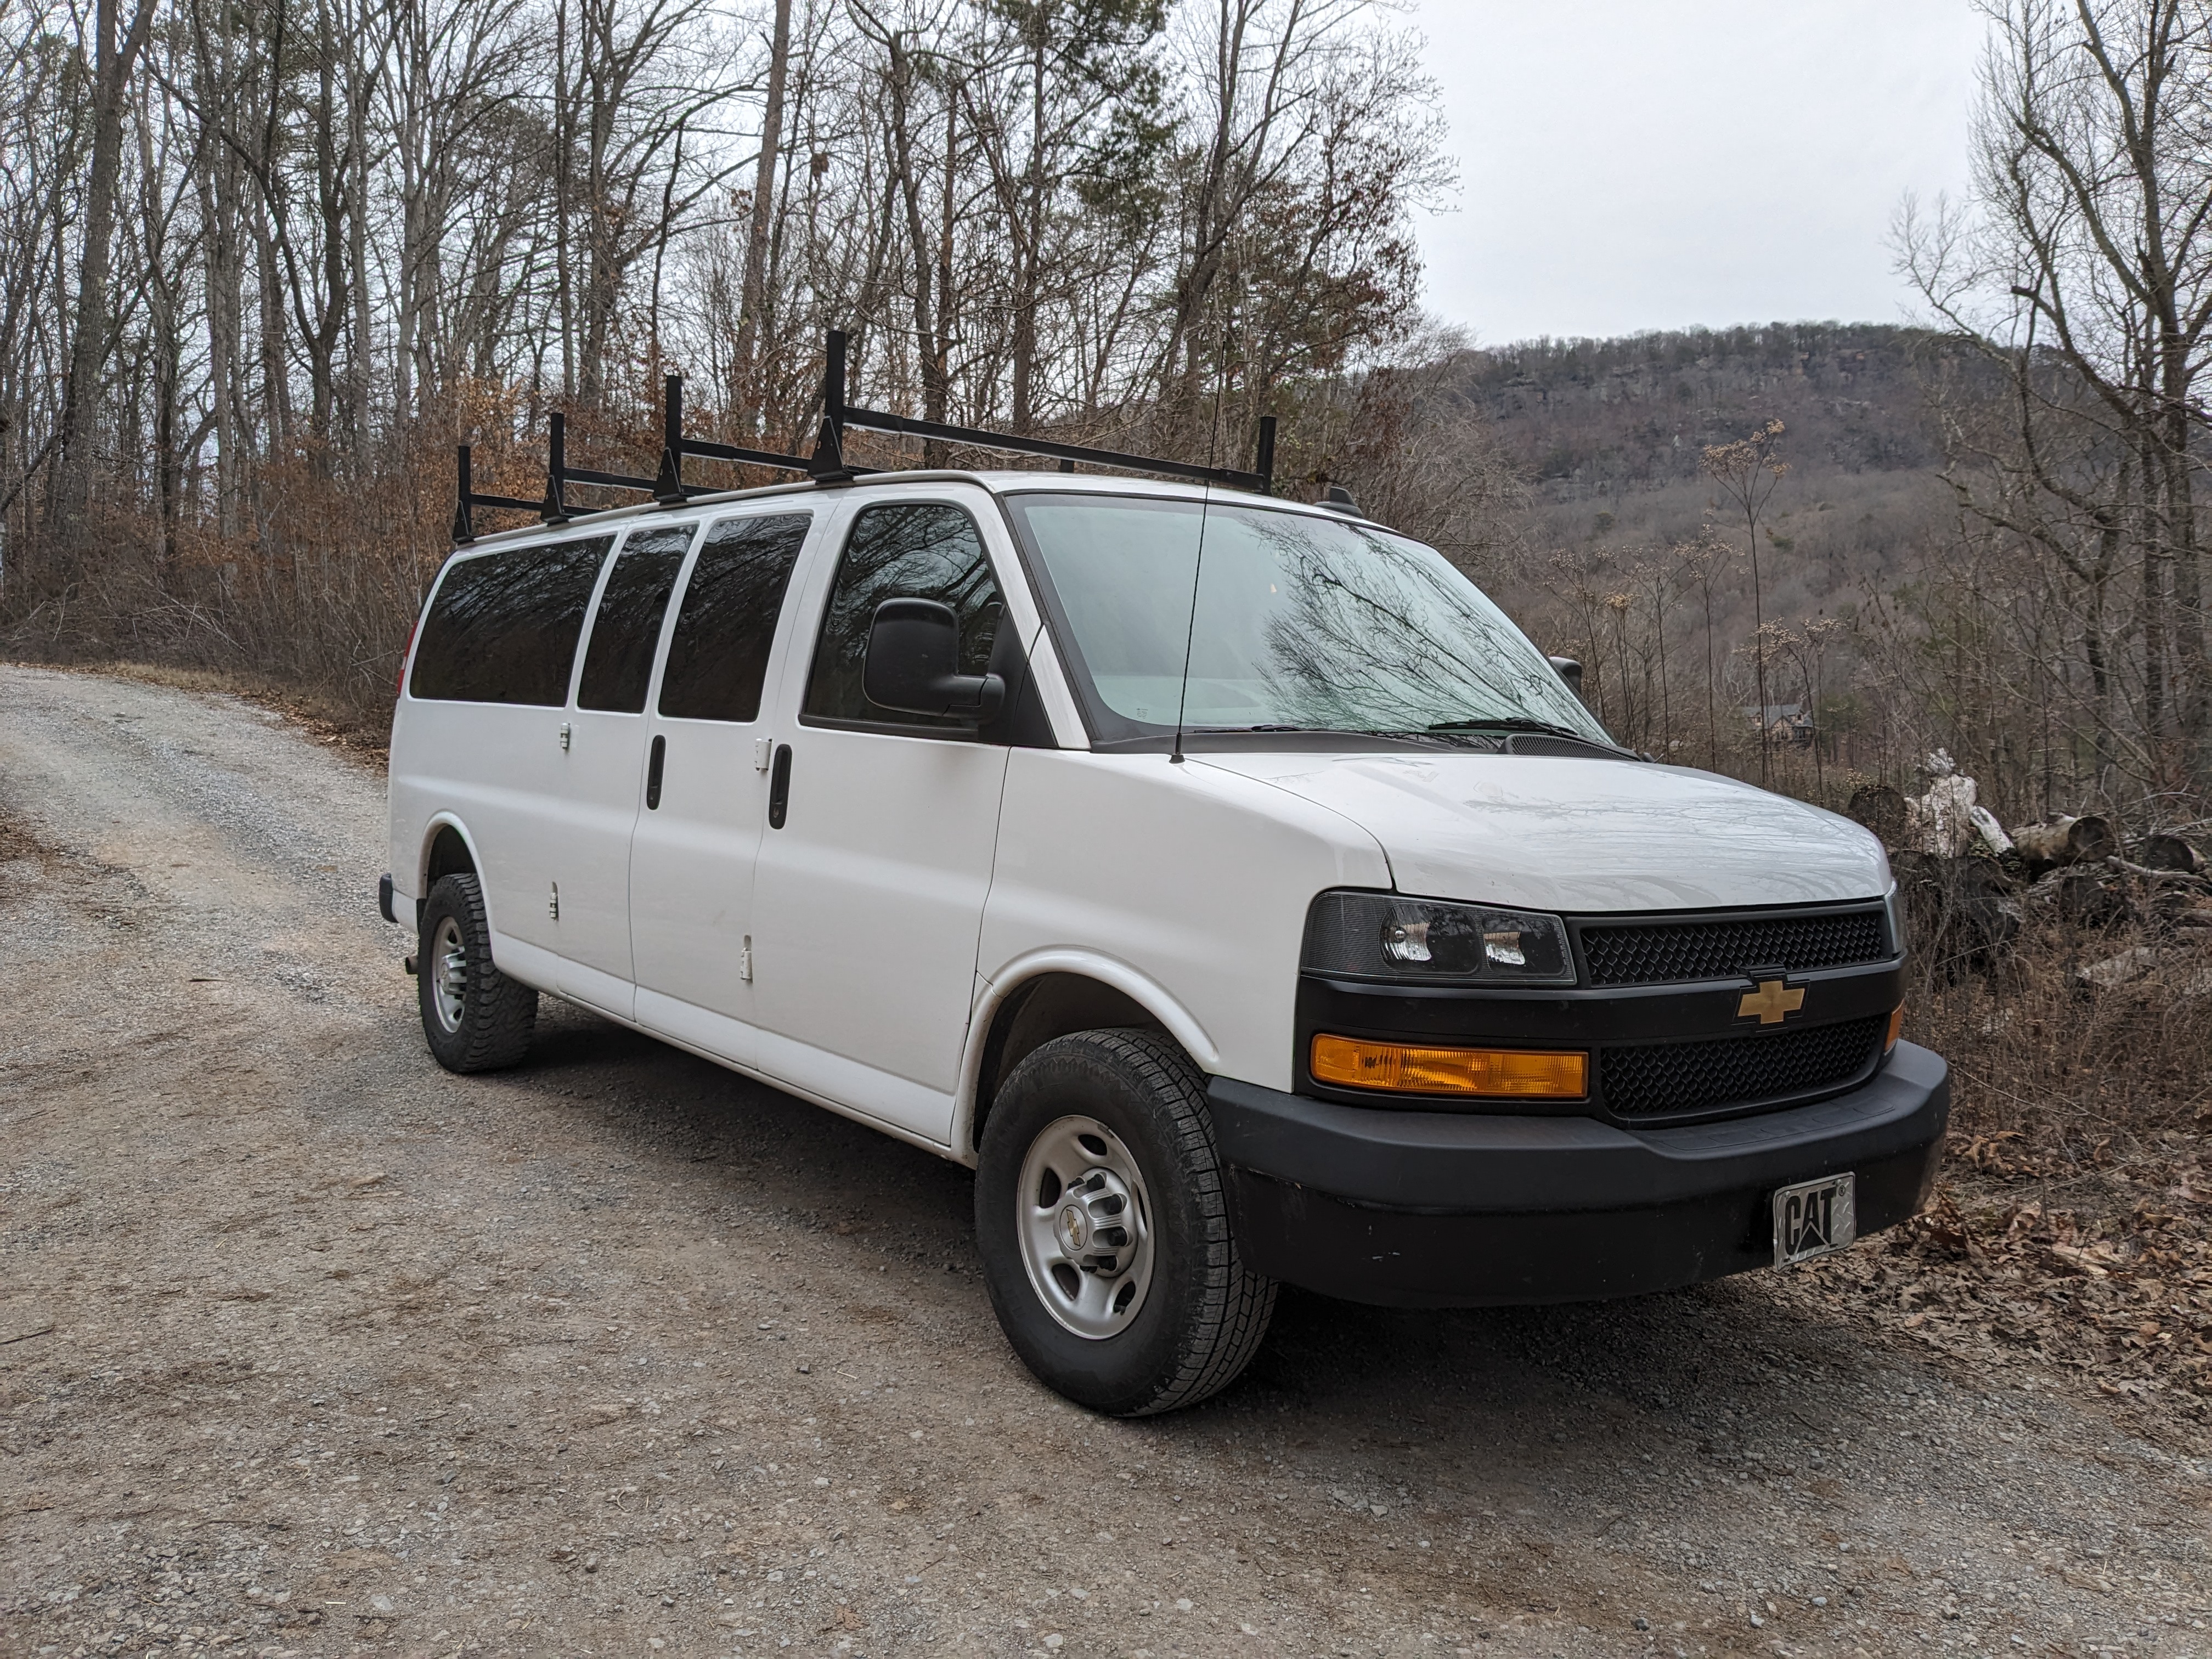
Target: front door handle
point(652, 774)
point(779, 786)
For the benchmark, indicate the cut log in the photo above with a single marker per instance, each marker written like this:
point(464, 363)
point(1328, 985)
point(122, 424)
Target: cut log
point(2085, 839)
point(2081, 897)
point(2166, 853)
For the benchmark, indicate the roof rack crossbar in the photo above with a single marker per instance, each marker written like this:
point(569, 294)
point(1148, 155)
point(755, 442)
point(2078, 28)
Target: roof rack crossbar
point(714, 451)
point(875, 420)
point(585, 475)
point(676, 446)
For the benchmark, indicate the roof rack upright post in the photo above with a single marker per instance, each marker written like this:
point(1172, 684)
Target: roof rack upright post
point(668, 488)
point(1265, 465)
point(828, 465)
point(464, 528)
point(556, 510)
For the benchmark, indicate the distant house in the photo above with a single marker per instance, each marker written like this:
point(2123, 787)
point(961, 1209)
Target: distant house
point(1782, 722)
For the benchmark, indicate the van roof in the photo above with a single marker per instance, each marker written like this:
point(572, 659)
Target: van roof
point(1006, 481)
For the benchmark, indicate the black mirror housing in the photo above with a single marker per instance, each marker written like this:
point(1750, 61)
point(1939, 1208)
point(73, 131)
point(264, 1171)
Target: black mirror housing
point(1569, 671)
point(913, 664)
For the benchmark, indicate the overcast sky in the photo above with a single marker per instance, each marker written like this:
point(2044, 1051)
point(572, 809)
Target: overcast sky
point(1635, 164)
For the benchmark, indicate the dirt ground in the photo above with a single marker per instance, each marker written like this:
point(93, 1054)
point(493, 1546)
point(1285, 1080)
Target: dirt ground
point(309, 1348)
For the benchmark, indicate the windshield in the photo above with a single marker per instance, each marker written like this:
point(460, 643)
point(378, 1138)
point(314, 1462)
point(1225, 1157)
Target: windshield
point(1300, 623)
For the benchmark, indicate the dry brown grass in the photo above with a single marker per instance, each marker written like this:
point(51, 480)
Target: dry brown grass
point(2086, 1077)
point(2072, 1229)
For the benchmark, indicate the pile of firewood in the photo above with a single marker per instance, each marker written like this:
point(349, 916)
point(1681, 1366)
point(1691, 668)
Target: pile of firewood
point(1971, 886)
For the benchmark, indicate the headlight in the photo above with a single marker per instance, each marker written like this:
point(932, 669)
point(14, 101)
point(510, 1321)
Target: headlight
point(1383, 936)
point(1893, 902)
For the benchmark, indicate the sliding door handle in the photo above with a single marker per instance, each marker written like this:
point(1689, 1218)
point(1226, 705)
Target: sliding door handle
point(652, 774)
point(779, 786)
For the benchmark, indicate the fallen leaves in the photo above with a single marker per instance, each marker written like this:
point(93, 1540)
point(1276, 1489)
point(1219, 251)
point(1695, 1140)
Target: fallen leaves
point(2117, 1289)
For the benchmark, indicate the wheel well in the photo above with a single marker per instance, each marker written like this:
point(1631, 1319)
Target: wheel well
point(1048, 1006)
point(449, 856)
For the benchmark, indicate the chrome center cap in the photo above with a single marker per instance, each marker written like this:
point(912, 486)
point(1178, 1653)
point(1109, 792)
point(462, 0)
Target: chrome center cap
point(1074, 1228)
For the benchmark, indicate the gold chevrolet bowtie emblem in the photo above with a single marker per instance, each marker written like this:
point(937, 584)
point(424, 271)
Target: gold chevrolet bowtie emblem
point(1770, 1001)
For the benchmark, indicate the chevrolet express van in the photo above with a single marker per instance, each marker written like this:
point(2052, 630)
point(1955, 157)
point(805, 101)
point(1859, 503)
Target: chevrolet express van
point(1227, 881)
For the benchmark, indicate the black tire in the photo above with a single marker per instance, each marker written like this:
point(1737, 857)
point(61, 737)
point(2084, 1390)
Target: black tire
point(1203, 1315)
point(487, 1024)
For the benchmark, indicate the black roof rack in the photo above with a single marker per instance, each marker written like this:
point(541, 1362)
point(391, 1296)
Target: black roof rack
point(827, 466)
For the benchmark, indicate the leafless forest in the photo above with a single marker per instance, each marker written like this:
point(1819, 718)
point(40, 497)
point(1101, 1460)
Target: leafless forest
point(265, 263)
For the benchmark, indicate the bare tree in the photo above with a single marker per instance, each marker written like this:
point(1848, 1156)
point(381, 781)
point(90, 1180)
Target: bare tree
point(2082, 269)
point(1747, 473)
point(113, 57)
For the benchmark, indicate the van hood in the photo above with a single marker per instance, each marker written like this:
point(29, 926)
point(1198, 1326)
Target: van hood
point(1575, 835)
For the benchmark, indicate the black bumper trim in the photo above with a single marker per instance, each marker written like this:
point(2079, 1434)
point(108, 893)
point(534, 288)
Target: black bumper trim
point(383, 900)
point(1430, 1208)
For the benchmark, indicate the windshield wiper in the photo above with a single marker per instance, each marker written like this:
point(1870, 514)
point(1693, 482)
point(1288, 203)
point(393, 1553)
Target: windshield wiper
point(1404, 734)
point(1543, 728)
point(1514, 723)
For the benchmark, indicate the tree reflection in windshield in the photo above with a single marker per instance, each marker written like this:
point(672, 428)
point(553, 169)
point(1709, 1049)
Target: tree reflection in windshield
point(1300, 622)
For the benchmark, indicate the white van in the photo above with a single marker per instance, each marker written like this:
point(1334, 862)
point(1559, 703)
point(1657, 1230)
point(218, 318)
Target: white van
point(1227, 881)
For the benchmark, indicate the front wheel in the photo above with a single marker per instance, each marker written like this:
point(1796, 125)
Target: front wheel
point(1105, 1229)
point(477, 1018)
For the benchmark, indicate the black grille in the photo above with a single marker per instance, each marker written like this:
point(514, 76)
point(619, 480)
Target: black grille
point(1671, 952)
point(1675, 1079)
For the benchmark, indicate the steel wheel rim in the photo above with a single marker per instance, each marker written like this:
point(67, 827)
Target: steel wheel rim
point(448, 969)
point(1084, 1219)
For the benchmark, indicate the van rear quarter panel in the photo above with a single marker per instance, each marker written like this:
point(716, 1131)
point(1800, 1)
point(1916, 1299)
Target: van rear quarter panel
point(494, 769)
point(1194, 877)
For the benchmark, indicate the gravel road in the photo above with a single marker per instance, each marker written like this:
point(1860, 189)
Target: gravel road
point(307, 1347)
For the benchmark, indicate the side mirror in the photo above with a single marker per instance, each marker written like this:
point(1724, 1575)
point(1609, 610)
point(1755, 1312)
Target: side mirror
point(1569, 671)
point(913, 664)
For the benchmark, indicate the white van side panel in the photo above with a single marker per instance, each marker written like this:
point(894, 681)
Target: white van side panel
point(1196, 878)
point(498, 771)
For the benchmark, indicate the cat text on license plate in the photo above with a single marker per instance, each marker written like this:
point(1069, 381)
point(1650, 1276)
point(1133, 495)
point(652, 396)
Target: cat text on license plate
point(1814, 1216)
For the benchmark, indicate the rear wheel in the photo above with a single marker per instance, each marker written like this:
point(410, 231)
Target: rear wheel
point(477, 1018)
point(1104, 1230)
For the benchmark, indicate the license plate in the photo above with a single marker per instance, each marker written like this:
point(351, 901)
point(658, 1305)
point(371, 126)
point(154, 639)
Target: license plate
point(1813, 1217)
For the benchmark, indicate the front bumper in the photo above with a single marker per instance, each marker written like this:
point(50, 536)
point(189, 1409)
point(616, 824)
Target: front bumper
point(1441, 1209)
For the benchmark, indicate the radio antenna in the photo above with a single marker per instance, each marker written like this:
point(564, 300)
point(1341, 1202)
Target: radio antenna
point(1197, 564)
point(1190, 629)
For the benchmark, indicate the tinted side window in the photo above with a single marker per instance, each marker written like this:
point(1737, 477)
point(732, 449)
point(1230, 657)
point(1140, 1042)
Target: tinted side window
point(926, 551)
point(504, 625)
point(618, 661)
point(718, 656)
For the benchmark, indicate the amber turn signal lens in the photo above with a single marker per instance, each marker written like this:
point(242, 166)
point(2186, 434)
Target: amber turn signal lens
point(1896, 1028)
point(1508, 1074)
